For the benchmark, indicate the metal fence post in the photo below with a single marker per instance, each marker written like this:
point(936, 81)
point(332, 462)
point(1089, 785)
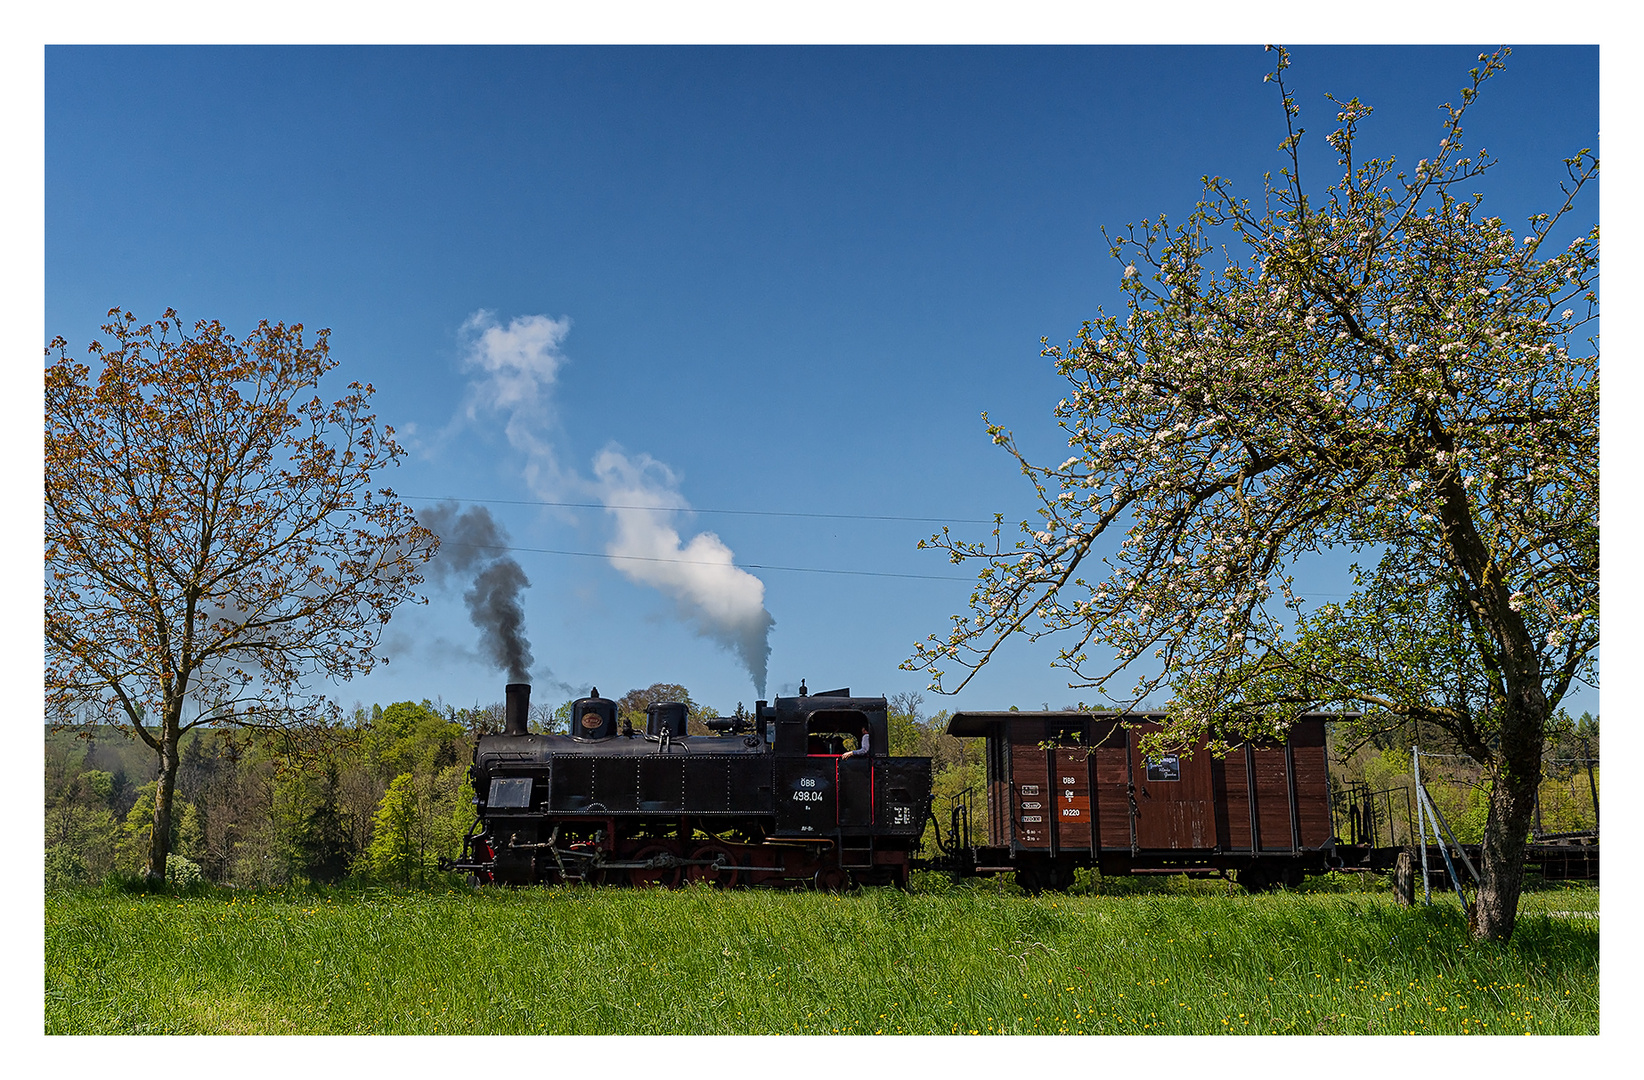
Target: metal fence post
point(1421, 825)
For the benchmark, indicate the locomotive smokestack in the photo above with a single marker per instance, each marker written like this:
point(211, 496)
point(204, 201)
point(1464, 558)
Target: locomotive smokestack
point(516, 708)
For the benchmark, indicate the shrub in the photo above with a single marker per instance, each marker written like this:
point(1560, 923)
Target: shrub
point(182, 873)
point(64, 867)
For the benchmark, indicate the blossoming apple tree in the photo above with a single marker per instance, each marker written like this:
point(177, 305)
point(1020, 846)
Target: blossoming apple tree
point(1381, 368)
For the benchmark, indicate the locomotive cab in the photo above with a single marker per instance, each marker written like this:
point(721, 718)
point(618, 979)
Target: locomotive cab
point(830, 724)
point(823, 789)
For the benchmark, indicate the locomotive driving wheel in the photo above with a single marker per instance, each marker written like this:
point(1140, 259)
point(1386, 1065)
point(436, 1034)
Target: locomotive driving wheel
point(651, 877)
point(719, 859)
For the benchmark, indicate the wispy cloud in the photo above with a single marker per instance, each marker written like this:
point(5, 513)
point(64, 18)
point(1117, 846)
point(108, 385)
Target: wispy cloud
point(514, 370)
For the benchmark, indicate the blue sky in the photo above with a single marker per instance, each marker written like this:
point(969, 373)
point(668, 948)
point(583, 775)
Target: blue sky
point(760, 282)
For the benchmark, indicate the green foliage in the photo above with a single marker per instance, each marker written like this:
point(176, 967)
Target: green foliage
point(138, 826)
point(257, 810)
point(84, 839)
point(182, 873)
point(190, 833)
point(415, 738)
point(96, 786)
point(1389, 768)
point(906, 731)
point(419, 820)
point(395, 854)
point(632, 706)
point(946, 787)
point(64, 867)
point(314, 837)
point(1567, 801)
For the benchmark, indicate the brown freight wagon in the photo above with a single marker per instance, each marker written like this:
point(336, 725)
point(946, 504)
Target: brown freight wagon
point(1072, 789)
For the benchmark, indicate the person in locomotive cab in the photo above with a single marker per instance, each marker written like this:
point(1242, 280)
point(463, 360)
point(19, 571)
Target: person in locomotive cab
point(861, 746)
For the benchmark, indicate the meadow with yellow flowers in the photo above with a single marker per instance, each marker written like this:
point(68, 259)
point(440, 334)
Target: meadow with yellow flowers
point(940, 961)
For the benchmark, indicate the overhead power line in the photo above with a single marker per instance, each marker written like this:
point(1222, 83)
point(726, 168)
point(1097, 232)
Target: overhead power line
point(749, 565)
point(701, 510)
point(742, 565)
point(705, 562)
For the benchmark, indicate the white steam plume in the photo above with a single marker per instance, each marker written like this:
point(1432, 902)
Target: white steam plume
point(718, 599)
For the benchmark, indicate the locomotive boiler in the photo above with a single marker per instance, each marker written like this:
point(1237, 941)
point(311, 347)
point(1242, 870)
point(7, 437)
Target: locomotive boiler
point(801, 793)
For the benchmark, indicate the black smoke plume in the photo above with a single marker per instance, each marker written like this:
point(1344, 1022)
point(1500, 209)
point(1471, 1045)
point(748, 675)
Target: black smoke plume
point(471, 543)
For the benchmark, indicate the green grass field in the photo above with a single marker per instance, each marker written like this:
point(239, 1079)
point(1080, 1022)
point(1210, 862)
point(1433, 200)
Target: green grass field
point(697, 961)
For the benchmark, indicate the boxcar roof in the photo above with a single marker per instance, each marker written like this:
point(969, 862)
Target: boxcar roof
point(976, 723)
point(980, 723)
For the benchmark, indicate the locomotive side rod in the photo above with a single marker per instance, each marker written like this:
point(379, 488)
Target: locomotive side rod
point(667, 862)
point(661, 861)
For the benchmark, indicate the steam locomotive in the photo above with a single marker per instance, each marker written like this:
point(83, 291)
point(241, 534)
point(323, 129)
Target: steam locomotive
point(802, 793)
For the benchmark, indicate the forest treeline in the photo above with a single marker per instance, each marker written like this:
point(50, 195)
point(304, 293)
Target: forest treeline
point(385, 795)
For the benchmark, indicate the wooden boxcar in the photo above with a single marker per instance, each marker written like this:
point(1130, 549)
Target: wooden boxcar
point(1073, 789)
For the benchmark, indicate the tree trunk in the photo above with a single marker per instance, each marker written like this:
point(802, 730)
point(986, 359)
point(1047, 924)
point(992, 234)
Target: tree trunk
point(160, 841)
point(1512, 807)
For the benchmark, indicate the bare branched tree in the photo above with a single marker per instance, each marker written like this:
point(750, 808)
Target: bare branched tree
point(212, 539)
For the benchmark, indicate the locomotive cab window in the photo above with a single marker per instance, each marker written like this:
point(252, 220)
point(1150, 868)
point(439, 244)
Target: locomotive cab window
point(836, 732)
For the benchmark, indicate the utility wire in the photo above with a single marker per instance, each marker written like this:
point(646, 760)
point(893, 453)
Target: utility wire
point(702, 510)
point(704, 562)
point(741, 565)
point(749, 513)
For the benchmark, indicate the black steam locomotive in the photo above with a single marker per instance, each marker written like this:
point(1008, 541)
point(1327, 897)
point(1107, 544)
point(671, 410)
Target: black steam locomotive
point(801, 793)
